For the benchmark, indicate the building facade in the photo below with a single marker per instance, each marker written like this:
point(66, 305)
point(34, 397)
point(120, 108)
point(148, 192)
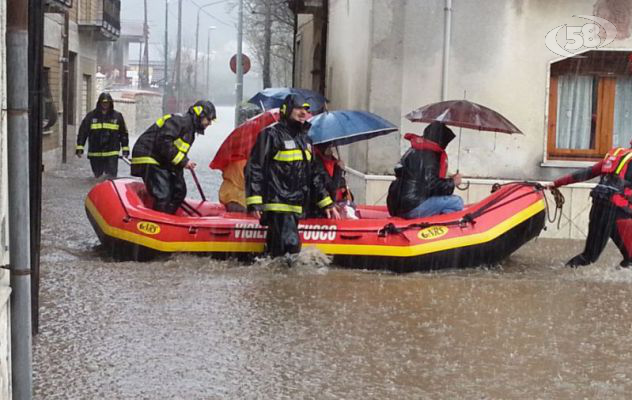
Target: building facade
point(392, 56)
point(5, 289)
point(88, 23)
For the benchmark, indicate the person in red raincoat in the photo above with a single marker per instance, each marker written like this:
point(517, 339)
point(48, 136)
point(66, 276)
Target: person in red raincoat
point(611, 211)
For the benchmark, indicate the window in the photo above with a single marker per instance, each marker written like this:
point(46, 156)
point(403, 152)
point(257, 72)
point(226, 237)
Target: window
point(72, 96)
point(590, 105)
point(48, 106)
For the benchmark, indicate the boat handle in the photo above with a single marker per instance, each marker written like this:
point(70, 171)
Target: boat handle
point(219, 233)
point(350, 235)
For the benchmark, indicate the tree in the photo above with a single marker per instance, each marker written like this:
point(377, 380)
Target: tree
point(269, 30)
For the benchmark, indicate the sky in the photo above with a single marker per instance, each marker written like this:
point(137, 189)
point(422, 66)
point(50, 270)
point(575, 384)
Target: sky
point(223, 16)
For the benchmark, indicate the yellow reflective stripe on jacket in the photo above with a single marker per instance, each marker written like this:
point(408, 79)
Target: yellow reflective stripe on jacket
point(325, 202)
point(176, 160)
point(623, 162)
point(181, 145)
point(112, 127)
point(105, 125)
point(125, 148)
point(161, 121)
point(79, 147)
point(280, 207)
point(291, 155)
point(103, 153)
point(144, 160)
point(254, 200)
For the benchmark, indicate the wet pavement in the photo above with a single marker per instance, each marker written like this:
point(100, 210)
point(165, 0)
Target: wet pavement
point(190, 327)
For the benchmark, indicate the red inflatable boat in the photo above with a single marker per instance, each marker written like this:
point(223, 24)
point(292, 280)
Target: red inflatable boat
point(483, 233)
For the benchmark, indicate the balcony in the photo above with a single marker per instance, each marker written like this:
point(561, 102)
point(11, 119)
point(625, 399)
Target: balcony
point(306, 6)
point(58, 5)
point(101, 17)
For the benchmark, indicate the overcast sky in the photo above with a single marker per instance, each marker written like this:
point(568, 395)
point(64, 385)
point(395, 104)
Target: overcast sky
point(223, 37)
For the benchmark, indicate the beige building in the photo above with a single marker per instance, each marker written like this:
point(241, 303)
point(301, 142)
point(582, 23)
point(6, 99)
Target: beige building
point(392, 56)
point(88, 22)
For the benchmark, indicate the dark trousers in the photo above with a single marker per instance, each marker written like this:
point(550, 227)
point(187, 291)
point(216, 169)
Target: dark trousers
point(168, 188)
point(601, 226)
point(282, 236)
point(104, 165)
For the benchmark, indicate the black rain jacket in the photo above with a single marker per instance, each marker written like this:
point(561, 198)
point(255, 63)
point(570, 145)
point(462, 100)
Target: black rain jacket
point(281, 170)
point(417, 174)
point(106, 133)
point(166, 143)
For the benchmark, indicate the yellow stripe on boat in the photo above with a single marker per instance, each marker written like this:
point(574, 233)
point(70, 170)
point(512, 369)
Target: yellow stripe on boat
point(152, 243)
point(343, 249)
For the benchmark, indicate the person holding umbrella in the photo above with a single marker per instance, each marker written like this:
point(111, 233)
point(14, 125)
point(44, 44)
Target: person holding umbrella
point(279, 176)
point(421, 188)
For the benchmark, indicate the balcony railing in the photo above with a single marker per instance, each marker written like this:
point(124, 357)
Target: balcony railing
point(105, 20)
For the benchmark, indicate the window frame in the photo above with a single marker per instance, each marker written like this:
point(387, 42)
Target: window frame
point(606, 90)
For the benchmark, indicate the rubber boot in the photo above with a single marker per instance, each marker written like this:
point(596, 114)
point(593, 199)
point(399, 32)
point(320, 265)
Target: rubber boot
point(577, 261)
point(625, 264)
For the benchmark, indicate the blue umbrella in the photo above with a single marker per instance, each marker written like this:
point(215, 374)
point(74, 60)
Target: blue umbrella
point(344, 126)
point(273, 98)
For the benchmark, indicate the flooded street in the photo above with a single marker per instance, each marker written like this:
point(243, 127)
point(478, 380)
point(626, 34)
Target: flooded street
point(189, 327)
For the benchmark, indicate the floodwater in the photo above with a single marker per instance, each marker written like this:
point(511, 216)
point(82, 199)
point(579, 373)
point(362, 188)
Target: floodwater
point(189, 327)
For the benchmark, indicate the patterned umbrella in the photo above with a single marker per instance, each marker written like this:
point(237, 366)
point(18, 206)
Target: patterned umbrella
point(273, 98)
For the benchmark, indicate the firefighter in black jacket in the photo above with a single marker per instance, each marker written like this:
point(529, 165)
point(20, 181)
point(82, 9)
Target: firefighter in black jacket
point(160, 154)
point(105, 130)
point(279, 175)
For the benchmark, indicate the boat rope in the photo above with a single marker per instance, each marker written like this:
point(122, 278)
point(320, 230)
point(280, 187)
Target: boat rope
point(470, 218)
point(391, 228)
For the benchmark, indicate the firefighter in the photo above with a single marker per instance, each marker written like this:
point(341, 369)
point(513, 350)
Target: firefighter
point(611, 211)
point(106, 133)
point(281, 174)
point(160, 154)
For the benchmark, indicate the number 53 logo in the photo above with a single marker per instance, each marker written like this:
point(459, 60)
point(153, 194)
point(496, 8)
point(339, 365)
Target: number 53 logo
point(577, 37)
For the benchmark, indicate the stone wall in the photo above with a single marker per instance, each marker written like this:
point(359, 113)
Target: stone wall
point(139, 108)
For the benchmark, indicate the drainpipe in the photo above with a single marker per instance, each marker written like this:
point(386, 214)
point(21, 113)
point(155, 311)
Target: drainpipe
point(446, 48)
point(19, 220)
point(65, 89)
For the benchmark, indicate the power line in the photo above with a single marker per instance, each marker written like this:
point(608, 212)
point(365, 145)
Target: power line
point(211, 15)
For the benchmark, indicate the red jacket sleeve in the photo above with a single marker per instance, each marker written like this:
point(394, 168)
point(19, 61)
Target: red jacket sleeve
point(580, 176)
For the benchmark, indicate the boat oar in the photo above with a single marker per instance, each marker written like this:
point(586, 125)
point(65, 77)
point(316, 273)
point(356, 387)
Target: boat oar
point(197, 183)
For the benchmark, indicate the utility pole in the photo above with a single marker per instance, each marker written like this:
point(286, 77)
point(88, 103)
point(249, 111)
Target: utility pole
point(239, 84)
point(267, 44)
point(166, 90)
point(179, 55)
point(17, 70)
point(208, 63)
point(197, 37)
point(146, 53)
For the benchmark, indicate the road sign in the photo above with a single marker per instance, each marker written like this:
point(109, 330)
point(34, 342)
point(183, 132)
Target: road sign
point(245, 63)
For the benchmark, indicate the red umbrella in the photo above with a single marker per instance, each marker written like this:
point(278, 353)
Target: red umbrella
point(238, 144)
point(464, 114)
